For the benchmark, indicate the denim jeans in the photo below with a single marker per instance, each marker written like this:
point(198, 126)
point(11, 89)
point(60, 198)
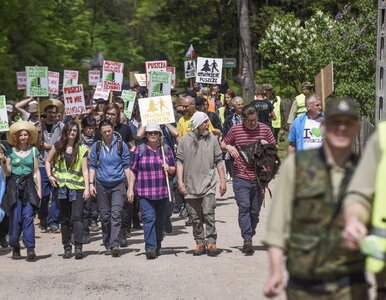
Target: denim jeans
point(153, 218)
point(249, 201)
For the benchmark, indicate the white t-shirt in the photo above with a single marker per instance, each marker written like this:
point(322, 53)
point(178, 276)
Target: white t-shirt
point(312, 134)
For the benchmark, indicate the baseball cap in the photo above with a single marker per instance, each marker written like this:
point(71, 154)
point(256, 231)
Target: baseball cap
point(153, 127)
point(307, 84)
point(341, 107)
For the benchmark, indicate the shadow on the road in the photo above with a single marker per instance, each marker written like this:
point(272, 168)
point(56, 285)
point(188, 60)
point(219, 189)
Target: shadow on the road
point(126, 250)
point(219, 251)
point(219, 221)
point(5, 251)
point(256, 248)
point(222, 204)
point(87, 253)
point(173, 250)
point(135, 241)
point(178, 229)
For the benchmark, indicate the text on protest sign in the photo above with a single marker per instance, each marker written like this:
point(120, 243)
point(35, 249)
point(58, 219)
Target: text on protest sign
point(37, 81)
point(173, 71)
point(94, 77)
point(53, 82)
point(209, 70)
point(157, 110)
point(70, 77)
point(141, 79)
point(160, 65)
point(3, 115)
point(21, 79)
point(74, 103)
point(190, 68)
point(112, 75)
point(160, 83)
point(100, 92)
point(128, 98)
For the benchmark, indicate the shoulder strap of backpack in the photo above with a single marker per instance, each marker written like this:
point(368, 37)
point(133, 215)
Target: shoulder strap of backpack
point(98, 148)
point(141, 149)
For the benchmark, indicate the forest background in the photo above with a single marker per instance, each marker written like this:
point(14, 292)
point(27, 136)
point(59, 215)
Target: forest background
point(290, 40)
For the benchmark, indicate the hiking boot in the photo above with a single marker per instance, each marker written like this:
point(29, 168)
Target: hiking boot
point(168, 226)
point(3, 242)
point(200, 249)
point(211, 250)
point(108, 251)
point(86, 239)
point(116, 252)
point(151, 254)
point(31, 256)
point(78, 252)
point(94, 227)
point(54, 228)
point(67, 252)
point(157, 252)
point(43, 226)
point(16, 254)
point(248, 247)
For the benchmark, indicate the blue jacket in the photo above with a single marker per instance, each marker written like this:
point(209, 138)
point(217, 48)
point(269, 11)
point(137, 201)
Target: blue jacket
point(296, 133)
point(110, 167)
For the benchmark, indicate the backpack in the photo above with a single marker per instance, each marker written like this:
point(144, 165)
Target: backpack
point(264, 159)
point(99, 147)
point(142, 148)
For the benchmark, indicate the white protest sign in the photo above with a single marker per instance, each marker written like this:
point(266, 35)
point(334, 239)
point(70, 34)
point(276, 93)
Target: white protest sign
point(74, 103)
point(157, 110)
point(94, 77)
point(209, 70)
point(159, 83)
point(141, 79)
point(53, 82)
point(21, 79)
point(70, 77)
point(37, 81)
point(112, 76)
point(101, 92)
point(190, 68)
point(4, 126)
point(160, 65)
point(173, 71)
point(128, 98)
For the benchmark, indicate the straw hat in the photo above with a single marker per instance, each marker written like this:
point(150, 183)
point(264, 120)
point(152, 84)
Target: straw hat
point(22, 125)
point(48, 102)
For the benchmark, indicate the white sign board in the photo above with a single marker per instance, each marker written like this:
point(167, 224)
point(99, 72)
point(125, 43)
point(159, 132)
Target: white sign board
point(157, 110)
point(112, 75)
point(173, 71)
point(74, 103)
point(37, 81)
point(141, 79)
point(101, 92)
point(190, 68)
point(94, 77)
point(70, 77)
point(4, 126)
point(160, 65)
point(209, 70)
point(53, 82)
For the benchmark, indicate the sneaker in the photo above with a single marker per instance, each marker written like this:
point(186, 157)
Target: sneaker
point(108, 251)
point(168, 226)
point(78, 252)
point(16, 254)
point(67, 252)
point(3, 242)
point(54, 228)
point(151, 254)
point(116, 252)
point(200, 249)
point(86, 239)
point(248, 247)
point(31, 255)
point(211, 250)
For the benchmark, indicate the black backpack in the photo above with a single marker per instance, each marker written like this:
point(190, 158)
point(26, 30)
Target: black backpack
point(99, 146)
point(264, 159)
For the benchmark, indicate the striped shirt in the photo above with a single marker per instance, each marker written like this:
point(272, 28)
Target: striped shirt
point(240, 135)
point(150, 176)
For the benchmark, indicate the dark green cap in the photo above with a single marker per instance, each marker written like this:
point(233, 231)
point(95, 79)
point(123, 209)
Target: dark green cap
point(341, 107)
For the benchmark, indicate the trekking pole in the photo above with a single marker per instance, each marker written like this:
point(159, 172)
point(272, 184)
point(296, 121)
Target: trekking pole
point(166, 172)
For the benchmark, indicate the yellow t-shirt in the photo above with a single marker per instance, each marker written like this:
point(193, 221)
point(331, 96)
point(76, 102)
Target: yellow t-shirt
point(184, 126)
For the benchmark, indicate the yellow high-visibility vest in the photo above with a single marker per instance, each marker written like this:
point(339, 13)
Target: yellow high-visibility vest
point(301, 102)
point(276, 109)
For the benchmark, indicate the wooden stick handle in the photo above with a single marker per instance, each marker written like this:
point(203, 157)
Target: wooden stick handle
point(166, 172)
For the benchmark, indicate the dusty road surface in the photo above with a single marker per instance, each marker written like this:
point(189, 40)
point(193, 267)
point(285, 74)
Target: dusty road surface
point(176, 274)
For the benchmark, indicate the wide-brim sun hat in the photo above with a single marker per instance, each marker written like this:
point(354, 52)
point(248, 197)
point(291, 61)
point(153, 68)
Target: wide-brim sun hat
point(51, 102)
point(22, 125)
point(153, 127)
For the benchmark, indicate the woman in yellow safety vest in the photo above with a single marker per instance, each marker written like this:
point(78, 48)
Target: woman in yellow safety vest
point(67, 171)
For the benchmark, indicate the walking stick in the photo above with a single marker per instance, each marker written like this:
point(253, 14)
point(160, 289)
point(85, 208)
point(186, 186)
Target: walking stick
point(166, 172)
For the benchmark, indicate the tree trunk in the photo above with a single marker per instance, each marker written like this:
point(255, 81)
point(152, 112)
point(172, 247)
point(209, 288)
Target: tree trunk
point(246, 67)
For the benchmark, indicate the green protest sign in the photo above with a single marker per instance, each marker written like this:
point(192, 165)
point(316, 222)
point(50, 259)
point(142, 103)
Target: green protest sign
point(128, 98)
point(4, 126)
point(37, 81)
point(159, 83)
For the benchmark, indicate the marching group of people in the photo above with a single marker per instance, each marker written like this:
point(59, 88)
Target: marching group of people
point(103, 167)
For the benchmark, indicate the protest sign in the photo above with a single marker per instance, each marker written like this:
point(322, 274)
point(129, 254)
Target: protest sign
point(3, 115)
point(209, 70)
point(112, 75)
point(21, 79)
point(160, 83)
point(128, 98)
point(101, 92)
point(70, 77)
point(157, 110)
point(173, 71)
point(37, 81)
point(160, 65)
point(190, 68)
point(141, 79)
point(324, 82)
point(133, 81)
point(74, 103)
point(94, 76)
point(53, 82)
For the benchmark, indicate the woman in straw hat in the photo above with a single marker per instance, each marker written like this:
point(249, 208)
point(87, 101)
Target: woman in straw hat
point(22, 195)
point(69, 159)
